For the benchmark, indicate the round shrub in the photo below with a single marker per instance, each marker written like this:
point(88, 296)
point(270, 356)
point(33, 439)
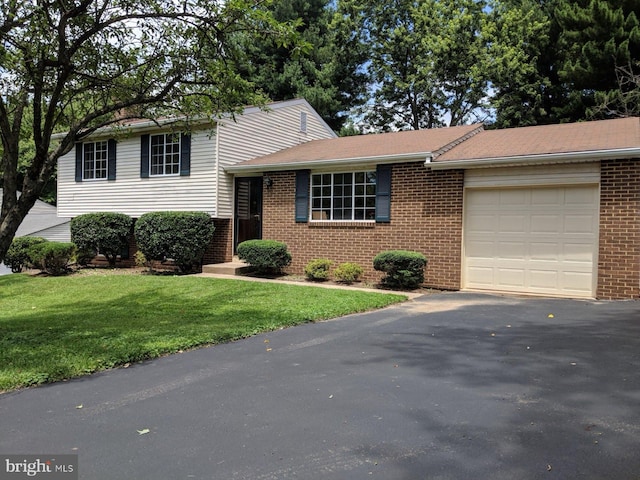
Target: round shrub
point(403, 268)
point(52, 257)
point(318, 269)
point(267, 256)
point(17, 257)
point(348, 273)
point(103, 232)
point(180, 236)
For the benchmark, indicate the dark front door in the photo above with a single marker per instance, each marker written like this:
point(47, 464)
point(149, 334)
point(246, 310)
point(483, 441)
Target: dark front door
point(248, 223)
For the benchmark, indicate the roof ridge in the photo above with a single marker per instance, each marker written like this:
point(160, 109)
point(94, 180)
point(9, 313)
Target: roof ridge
point(458, 141)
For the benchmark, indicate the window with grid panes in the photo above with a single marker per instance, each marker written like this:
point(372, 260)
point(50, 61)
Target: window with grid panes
point(165, 154)
point(94, 160)
point(346, 196)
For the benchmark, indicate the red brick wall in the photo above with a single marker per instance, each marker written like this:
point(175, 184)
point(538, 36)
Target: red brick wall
point(619, 255)
point(221, 249)
point(426, 216)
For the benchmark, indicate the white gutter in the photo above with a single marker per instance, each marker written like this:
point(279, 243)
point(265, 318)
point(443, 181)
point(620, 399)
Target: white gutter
point(538, 159)
point(338, 162)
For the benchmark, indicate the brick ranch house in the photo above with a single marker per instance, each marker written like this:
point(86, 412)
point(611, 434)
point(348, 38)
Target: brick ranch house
point(549, 210)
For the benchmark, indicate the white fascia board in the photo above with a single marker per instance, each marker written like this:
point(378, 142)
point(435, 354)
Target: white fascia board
point(548, 158)
point(327, 164)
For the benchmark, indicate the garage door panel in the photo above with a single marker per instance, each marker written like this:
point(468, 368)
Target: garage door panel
point(513, 197)
point(547, 198)
point(531, 240)
point(579, 224)
point(481, 224)
point(543, 251)
point(545, 223)
point(578, 253)
point(512, 223)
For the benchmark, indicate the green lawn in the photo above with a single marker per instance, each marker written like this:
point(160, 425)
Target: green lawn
point(52, 328)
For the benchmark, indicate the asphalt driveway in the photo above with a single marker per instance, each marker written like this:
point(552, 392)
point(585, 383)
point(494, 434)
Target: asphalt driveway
point(448, 386)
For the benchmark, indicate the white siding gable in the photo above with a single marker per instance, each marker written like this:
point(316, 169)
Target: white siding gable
point(260, 133)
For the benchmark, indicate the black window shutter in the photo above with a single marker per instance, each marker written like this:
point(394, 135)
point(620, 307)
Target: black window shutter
point(185, 154)
point(111, 159)
point(383, 193)
point(302, 196)
point(144, 156)
point(78, 162)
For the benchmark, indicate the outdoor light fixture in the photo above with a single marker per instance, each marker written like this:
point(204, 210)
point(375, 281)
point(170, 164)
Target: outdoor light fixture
point(268, 181)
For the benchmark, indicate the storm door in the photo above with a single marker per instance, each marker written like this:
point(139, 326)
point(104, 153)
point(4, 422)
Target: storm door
point(248, 215)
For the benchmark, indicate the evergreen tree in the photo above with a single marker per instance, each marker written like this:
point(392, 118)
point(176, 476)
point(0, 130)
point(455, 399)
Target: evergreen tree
point(327, 73)
point(597, 37)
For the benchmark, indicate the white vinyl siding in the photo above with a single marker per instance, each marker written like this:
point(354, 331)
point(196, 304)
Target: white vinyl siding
point(536, 239)
point(133, 195)
point(261, 133)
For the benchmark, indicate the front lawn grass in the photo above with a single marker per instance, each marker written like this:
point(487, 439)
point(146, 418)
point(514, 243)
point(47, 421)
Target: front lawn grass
point(54, 328)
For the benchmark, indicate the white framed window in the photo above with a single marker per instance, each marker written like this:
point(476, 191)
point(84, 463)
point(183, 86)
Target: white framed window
point(94, 160)
point(164, 158)
point(349, 196)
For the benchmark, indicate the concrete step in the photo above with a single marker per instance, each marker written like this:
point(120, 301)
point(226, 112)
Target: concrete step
point(236, 267)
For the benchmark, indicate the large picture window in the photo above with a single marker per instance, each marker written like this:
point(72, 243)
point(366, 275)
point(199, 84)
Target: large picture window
point(343, 196)
point(94, 160)
point(165, 154)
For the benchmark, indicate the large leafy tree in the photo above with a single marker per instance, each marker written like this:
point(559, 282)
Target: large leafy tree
point(428, 63)
point(79, 65)
point(329, 75)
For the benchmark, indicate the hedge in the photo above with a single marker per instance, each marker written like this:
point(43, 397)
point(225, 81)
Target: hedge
point(403, 268)
point(267, 256)
point(103, 232)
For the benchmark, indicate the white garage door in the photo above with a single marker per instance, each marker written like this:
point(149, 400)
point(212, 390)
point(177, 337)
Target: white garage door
point(540, 240)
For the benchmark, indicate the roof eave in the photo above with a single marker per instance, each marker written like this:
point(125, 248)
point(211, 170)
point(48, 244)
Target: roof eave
point(328, 163)
point(539, 159)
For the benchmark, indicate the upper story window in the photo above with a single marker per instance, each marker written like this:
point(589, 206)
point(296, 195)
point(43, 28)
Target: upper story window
point(165, 154)
point(343, 196)
point(94, 160)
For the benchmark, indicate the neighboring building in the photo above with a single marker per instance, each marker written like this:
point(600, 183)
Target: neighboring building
point(157, 166)
point(42, 221)
point(549, 210)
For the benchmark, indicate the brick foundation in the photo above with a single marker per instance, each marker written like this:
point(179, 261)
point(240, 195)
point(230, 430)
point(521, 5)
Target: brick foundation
point(426, 216)
point(619, 254)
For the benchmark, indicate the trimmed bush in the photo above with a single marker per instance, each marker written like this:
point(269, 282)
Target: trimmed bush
point(17, 257)
point(403, 268)
point(104, 232)
point(180, 236)
point(348, 273)
point(267, 256)
point(318, 269)
point(52, 257)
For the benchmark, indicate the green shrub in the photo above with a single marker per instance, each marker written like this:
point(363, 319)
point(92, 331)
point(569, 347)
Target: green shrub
point(17, 257)
point(403, 268)
point(267, 256)
point(318, 269)
point(52, 257)
point(140, 259)
point(180, 236)
point(348, 273)
point(104, 232)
